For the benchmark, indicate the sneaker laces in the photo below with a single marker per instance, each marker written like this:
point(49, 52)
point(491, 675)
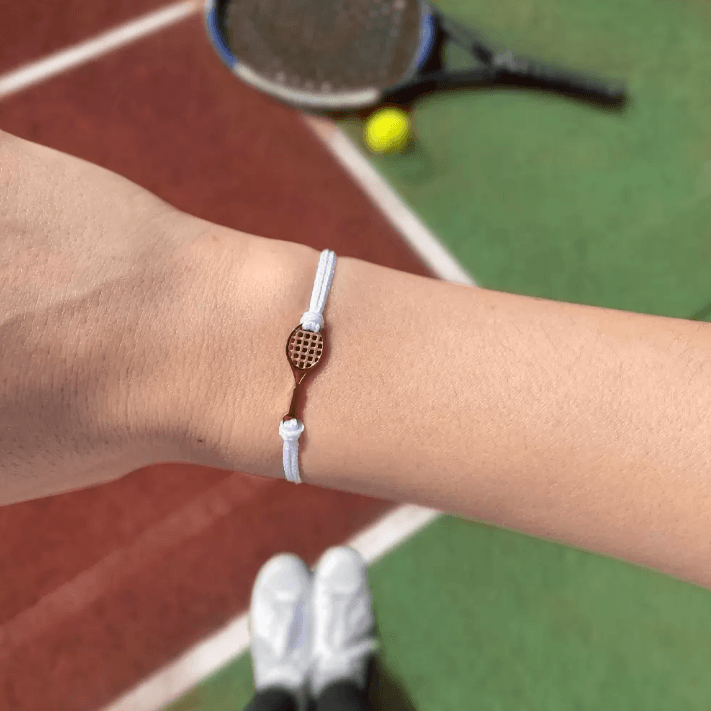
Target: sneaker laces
point(288, 637)
point(339, 643)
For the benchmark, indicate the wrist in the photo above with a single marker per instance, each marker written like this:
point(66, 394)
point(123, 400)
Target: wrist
point(223, 382)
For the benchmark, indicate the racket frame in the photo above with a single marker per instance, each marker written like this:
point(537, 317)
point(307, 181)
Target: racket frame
point(339, 101)
point(433, 24)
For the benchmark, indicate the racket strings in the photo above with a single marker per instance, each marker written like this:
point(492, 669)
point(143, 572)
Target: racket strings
point(324, 47)
point(305, 349)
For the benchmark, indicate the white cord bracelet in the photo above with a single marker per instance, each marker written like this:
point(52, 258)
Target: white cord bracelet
point(304, 350)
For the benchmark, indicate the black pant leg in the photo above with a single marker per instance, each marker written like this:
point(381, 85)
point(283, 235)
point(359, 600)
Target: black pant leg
point(273, 699)
point(343, 696)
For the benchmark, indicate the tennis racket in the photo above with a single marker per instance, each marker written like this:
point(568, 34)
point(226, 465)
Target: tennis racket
point(341, 55)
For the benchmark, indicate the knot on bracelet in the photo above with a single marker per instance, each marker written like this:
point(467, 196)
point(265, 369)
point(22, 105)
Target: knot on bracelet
point(291, 430)
point(312, 321)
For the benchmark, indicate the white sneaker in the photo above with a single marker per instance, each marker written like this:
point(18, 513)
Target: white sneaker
point(343, 626)
point(280, 625)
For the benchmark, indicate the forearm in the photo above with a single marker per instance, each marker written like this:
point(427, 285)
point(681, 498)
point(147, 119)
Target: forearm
point(584, 425)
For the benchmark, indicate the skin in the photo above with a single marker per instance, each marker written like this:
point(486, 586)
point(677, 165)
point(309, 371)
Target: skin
point(87, 278)
point(582, 425)
point(134, 334)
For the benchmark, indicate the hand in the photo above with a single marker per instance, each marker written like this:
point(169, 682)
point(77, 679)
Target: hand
point(90, 284)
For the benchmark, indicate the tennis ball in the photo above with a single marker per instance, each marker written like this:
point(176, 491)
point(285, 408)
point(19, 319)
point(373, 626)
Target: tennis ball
point(387, 131)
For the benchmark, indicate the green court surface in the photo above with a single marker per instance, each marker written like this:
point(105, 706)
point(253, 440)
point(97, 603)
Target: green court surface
point(476, 617)
point(539, 195)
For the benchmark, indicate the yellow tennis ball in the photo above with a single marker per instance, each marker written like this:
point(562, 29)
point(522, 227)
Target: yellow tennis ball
point(387, 131)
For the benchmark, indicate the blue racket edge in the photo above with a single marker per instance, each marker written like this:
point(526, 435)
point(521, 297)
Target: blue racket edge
point(336, 101)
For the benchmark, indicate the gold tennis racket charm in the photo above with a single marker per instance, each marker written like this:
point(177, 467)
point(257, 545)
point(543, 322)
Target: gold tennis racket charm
point(303, 351)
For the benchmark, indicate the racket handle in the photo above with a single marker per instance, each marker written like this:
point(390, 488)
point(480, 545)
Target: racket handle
point(551, 76)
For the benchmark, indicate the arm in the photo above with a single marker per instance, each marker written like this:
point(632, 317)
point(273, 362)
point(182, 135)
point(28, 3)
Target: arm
point(584, 425)
point(133, 333)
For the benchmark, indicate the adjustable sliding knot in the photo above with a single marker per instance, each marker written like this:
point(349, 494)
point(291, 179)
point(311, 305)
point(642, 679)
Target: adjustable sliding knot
point(290, 430)
point(312, 321)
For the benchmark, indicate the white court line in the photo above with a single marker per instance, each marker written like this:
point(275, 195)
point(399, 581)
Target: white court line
point(84, 52)
point(403, 219)
point(210, 655)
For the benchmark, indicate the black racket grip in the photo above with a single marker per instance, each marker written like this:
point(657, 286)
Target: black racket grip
point(550, 76)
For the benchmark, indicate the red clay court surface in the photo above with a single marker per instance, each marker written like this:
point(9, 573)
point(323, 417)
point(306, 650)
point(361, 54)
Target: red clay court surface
point(102, 587)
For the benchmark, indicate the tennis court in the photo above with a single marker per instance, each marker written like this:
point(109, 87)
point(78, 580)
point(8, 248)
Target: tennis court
point(133, 596)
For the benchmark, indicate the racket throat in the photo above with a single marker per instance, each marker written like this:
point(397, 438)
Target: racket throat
point(507, 63)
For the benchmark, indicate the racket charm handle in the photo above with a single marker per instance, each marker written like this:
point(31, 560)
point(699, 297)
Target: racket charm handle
point(291, 415)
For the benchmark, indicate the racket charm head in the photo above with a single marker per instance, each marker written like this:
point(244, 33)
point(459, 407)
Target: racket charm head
point(304, 349)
